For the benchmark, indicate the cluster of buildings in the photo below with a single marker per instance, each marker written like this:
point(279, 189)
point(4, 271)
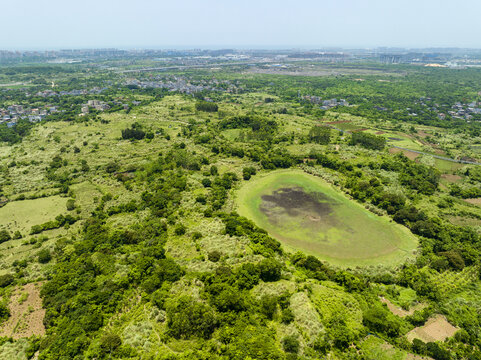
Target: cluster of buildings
point(13, 113)
point(184, 85)
point(95, 104)
point(459, 110)
point(326, 104)
point(465, 111)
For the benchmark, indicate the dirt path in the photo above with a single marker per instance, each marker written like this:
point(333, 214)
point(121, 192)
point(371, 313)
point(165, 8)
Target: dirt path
point(438, 157)
point(396, 310)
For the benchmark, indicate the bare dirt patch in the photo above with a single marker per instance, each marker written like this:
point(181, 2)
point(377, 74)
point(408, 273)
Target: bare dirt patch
point(474, 201)
point(436, 328)
point(409, 154)
point(396, 310)
point(451, 177)
point(422, 133)
point(380, 132)
point(27, 315)
point(464, 221)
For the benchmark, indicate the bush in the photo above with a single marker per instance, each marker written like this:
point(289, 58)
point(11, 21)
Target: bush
point(206, 106)
point(368, 141)
point(270, 270)
point(214, 255)
point(44, 256)
point(135, 132)
point(206, 182)
point(4, 312)
point(6, 280)
point(112, 167)
point(291, 344)
point(196, 235)
point(320, 134)
point(4, 236)
point(180, 229)
point(110, 342)
point(268, 305)
point(70, 204)
point(287, 316)
point(187, 318)
point(247, 172)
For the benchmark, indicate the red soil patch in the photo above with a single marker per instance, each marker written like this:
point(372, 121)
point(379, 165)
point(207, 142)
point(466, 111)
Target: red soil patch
point(27, 315)
point(380, 132)
point(436, 328)
point(474, 201)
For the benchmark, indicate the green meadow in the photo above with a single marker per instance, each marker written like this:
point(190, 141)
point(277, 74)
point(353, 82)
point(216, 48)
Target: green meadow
point(306, 213)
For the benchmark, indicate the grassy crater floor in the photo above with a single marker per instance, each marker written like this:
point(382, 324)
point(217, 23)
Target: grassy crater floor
point(306, 213)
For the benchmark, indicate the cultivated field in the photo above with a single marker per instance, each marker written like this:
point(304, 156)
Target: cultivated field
point(305, 213)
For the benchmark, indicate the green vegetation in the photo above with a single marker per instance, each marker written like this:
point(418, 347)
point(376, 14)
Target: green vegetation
point(242, 221)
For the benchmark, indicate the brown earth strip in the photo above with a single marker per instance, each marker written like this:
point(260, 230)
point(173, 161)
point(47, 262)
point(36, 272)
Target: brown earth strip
point(474, 201)
point(27, 314)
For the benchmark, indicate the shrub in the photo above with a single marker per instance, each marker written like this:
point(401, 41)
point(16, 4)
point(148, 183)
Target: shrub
point(4, 312)
point(110, 342)
point(287, 316)
point(214, 255)
point(187, 318)
point(206, 106)
point(6, 280)
point(180, 229)
point(270, 270)
point(320, 134)
point(268, 305)
point(135, 132)
point(4, 236)
point(70, 204)
point(291, 344)
point(368, 141)
point(44, 256)
point(196, 235)
point(112, 167)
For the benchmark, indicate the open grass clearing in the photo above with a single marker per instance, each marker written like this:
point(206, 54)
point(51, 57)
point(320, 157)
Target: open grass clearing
point(22, 215)
point(306, 213)
point(373, 347)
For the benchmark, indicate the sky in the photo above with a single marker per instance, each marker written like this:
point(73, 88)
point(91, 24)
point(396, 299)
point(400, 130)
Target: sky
point(309, 24)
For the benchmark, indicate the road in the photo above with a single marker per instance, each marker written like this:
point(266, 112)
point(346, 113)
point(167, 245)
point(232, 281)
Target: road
point(437, 156)
point(421, 152)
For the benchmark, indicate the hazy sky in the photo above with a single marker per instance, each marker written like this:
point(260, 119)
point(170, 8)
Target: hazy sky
point(47, 24)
